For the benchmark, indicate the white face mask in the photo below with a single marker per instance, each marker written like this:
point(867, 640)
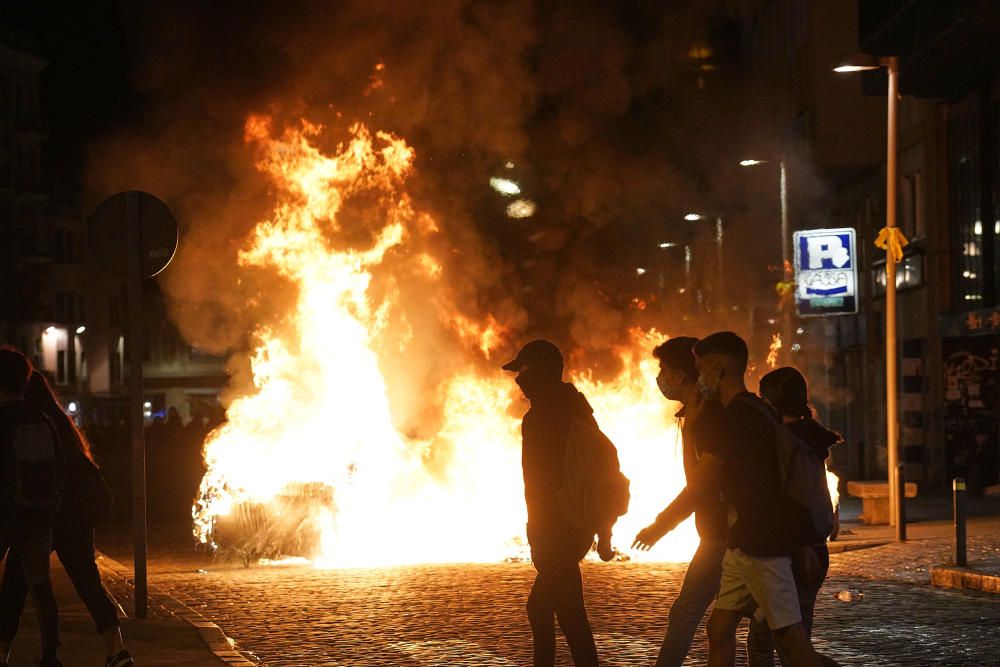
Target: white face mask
point(708, 391)
point(668, 390)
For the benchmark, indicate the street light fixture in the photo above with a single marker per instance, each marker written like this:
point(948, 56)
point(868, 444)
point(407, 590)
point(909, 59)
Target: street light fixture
point(786, 251)
point(859, 63)
point(693, 217)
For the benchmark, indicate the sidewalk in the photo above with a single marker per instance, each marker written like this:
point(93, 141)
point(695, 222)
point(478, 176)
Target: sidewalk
point(163, 639)
point(928, 554)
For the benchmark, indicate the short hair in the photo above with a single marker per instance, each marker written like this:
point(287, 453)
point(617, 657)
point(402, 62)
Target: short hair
point(15, 369)
point(727, 344)
point(678, 353)
point(787, 391)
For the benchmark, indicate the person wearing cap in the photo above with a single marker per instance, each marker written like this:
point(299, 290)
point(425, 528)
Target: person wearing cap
point(557, 545)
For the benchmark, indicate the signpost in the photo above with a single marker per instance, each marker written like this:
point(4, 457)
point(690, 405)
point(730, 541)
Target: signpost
point(826, 272)
point(134, 236)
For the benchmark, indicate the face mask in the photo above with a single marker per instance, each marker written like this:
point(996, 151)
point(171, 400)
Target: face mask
point(707, 390)
point(665, 387)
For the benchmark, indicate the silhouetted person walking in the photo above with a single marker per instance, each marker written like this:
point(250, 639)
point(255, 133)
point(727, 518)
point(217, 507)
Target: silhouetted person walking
point(786, 390)
point(86, 501)
point(557, 546)
point(678, 381)
point(29, 450)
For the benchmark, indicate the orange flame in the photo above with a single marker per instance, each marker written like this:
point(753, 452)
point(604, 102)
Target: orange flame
point(313, 450)
point(773, 350)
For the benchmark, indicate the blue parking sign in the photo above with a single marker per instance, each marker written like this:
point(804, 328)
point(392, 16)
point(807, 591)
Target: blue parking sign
point(826, 273)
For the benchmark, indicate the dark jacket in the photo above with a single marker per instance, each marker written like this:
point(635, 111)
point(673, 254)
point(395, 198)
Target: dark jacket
point(544, 433)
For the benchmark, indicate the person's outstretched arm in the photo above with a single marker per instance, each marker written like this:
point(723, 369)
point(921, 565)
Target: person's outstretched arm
point(703, 481)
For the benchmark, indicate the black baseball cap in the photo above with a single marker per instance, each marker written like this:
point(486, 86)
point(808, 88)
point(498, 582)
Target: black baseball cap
point(536, 353)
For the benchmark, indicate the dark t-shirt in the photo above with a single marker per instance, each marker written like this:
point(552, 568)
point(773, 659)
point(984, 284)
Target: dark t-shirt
point(751, 480)
point(710, 509)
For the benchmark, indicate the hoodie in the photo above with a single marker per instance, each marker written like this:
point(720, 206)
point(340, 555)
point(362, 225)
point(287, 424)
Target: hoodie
point(544, 432)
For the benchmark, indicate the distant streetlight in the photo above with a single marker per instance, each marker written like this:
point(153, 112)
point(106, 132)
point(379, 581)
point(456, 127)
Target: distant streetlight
point(667, 244)
point(505, 186)
point(786, 253)
point(859, 63)
point(80, 329)
point(640, 271)
point(693, 217)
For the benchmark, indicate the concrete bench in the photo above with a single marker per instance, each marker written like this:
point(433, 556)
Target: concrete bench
point(875, 500)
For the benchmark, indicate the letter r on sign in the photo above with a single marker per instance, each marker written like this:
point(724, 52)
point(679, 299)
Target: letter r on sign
point(823, 248)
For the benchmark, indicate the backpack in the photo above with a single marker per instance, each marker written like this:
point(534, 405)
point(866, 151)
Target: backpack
point(803, 477)
point(594, 491)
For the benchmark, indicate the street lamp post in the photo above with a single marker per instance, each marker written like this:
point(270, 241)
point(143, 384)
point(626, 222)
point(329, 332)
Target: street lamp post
point(787, 277)
point(719, 239)
point(856, 64)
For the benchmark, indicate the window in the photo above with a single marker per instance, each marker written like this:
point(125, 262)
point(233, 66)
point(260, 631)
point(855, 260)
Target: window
point(114, 310)
point(965, 210)
point(61, 367)
point(911, 213)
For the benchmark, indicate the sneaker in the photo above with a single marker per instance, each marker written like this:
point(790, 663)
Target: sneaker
point(122, 659)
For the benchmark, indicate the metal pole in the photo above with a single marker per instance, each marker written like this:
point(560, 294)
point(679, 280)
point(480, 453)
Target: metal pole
point(958, 504)
point(718, 247)
point(133, 219)
point(892, 424)
point(786, 264)
point(901, 490)
point(688, 256)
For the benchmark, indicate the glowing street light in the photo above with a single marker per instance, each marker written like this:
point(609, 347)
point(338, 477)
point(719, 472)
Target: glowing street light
point(751, 162)
point(640, 271)
point(667, 244)
point(859, 63)
point(80, 329)
point(505, 186)
point(693, 217)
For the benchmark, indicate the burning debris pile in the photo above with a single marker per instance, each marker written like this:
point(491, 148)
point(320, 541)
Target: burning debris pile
point(319, 459)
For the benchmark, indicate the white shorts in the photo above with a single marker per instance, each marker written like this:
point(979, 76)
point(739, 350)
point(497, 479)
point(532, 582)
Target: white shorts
point(749, 583)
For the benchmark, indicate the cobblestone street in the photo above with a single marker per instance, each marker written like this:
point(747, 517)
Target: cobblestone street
point(472, 615)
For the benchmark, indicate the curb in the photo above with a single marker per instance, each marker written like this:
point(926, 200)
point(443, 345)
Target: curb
point(956, 576)
point(220, 644)
point(837, 547)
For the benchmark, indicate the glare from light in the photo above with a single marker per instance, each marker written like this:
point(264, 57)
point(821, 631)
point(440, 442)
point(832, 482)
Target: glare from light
point(667, 244)
point(80, 329)
point(49, 330)
point(978, 228)
point(854, 68)
point(509, 165)
point(147, 405)
point(693, 217)
point(996, 227)
point(796, 347)
point(640, 271)
point(750, 163)
point(72, 407)
point(800, 331)
point(521, 208)
point(505, 186)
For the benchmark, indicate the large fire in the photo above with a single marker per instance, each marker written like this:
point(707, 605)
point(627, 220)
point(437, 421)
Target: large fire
point(313, 457)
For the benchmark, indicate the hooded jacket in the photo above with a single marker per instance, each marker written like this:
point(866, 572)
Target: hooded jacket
point(819, 438)
point(544, 433)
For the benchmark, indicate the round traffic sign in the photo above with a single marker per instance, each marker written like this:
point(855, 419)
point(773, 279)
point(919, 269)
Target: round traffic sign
point(157, 232)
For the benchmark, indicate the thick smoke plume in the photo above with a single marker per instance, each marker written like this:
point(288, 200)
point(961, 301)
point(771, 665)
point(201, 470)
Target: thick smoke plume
point(601, 109)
